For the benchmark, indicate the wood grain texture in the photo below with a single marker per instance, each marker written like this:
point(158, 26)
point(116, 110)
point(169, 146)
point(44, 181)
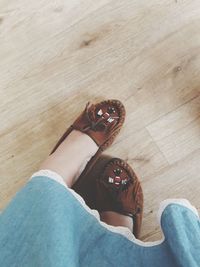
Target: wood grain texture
point(55, 56)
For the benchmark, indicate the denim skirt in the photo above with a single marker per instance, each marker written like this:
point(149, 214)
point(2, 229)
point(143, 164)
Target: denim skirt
point(48, 225)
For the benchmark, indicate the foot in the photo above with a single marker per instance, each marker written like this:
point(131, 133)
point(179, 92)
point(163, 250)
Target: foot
point(71, 157)
point(113, 189)
point(116, 219)
point(94, 130)
point(119, 194)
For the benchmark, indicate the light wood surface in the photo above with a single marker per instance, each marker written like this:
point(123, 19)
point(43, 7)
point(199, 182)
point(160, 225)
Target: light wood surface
point(57, 55)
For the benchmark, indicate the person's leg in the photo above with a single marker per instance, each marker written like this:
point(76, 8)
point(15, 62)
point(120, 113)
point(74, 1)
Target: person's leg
point(100, 123)
point(116, 219)
point(71, 156)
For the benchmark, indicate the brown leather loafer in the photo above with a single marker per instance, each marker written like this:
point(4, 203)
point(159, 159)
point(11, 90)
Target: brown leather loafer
point(112, 185)
point(102, 122)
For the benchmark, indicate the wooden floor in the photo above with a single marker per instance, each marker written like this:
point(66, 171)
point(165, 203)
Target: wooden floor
point(57, 55)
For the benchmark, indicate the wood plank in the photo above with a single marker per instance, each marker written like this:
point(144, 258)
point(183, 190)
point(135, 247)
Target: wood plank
point(48, 69)
point(178, 134)
point(176, 120)
point(181, 180)
point(141, 152)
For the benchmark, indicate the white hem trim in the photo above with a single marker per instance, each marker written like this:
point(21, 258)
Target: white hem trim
point(119, 229)
point(181, 201)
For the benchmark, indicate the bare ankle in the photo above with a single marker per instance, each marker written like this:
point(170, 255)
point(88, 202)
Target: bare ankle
point(116, 219)
point(71, 156)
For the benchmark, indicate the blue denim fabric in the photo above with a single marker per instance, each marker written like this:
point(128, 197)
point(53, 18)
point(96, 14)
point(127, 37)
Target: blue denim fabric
point(45, 225)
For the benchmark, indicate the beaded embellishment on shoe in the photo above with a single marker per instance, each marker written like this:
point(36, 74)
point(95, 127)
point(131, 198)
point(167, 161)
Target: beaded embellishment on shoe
point(107, 115)
point(118, 179)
